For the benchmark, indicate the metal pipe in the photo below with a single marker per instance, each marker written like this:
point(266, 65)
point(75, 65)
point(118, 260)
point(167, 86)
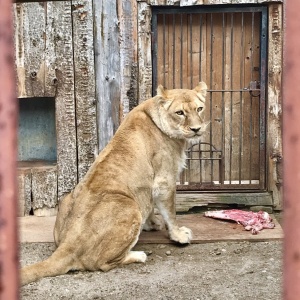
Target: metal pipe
point(8, 153)
point(291, 147)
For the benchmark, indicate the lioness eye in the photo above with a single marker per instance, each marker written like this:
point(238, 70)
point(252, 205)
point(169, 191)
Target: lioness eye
point(180, 112)
point(199, 109)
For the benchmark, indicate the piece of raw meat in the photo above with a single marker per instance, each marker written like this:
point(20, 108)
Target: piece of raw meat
point(250, 220)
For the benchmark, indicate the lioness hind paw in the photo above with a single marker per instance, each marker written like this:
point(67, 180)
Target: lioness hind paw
point(182, 235)
point(135, 257)
point(154, 223)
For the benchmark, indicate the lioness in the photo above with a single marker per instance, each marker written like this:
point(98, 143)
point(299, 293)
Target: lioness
point(100, 221)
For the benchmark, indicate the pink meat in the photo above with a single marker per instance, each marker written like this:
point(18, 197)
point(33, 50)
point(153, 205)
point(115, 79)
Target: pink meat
point(250, 220)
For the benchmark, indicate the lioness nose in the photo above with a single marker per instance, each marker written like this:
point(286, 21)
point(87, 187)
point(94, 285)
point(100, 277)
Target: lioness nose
point(195, 129)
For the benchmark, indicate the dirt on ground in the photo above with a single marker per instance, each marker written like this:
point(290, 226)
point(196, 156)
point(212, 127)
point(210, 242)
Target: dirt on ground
point(225, 270)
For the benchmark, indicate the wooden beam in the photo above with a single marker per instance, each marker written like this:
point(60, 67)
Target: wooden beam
point(107, 69)
point(59, 14)
point(144, 51)
point(184, 202)
point(127, 14)
point(85, 93)
point(274, 139)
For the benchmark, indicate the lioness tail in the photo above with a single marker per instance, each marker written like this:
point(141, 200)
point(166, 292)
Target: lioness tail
point(60, 262)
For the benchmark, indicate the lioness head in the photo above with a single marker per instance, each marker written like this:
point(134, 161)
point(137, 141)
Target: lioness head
point(181, 111)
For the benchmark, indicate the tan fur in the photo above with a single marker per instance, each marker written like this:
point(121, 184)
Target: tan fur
point(99, 222)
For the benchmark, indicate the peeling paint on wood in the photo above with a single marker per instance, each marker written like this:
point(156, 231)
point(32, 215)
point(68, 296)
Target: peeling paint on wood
point(144, 51)
point(275, 103)
point(44, 190)
point(85, 94)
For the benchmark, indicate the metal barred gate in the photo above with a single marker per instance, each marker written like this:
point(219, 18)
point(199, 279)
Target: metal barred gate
point(226, 48)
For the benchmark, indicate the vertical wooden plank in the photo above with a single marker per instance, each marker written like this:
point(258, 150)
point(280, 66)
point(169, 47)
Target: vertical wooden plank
point(227, 96)
point(247, 105)
point(251, 54)
point(144, 51)
point(274, 111)
point(162, 68)
point(83, 43)
point(127, 14)
point(59, 14)
point(51, 82)
point(196, 48)
point(30, 45)
point(107, 68)
point(24, 186)
point(44, 191)
point(236, 101)
point(216, 68)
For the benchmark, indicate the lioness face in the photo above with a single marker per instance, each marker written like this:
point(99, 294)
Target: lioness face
point(183, 111)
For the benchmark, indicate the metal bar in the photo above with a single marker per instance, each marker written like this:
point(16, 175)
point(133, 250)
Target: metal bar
point(207, 9)
point(200, 163)
point(262, 102)
point(242, 67)
point(234, 91)
point(164, 49)
point(154, 52)
point(207, 186)
point(181, 50)
point(200, 51)
point(191, 51)
point(9, 269)
point(291, 150)
point(173, 51)
point(204, 158)
point(231, 100)
point(251, 99)
point(211, 97)
point(223, 82)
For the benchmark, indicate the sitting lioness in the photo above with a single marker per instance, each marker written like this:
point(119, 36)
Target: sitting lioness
point(100, 221)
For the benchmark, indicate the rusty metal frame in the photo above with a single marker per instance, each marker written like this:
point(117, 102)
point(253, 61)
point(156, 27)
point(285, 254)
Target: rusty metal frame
point(291, 150)
point(8, 155)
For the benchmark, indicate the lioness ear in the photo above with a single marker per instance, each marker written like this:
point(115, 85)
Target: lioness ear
point(161, 91)
point(201, 89)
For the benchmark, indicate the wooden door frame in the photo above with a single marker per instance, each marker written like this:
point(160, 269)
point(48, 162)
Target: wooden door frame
point(273, 195)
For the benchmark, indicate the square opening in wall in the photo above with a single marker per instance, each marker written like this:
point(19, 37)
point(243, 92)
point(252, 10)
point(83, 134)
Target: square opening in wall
point(37, 132)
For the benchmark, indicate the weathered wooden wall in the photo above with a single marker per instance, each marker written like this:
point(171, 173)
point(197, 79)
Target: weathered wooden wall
point(55, 58)
point(95, 59)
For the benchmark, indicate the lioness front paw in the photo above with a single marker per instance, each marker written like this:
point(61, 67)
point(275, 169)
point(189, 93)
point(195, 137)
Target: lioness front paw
point(182, 235)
